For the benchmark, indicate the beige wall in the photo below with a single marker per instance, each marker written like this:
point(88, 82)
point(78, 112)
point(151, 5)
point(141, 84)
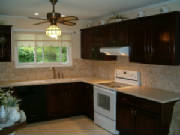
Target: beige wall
point(172, 5)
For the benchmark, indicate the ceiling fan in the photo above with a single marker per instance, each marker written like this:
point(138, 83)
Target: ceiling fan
point(55, 18)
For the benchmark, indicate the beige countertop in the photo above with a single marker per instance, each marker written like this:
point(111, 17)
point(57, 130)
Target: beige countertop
point(51, 81)
point(153, 94)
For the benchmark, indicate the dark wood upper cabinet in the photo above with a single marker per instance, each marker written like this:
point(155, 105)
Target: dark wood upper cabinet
point(152, 39)
point(5, 43)
point(155, 39)
point(92, 39)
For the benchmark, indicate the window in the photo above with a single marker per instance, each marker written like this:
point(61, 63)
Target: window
point(38, 50)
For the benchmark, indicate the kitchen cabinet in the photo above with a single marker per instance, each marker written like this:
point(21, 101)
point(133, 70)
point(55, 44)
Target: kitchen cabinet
point(88, 97)
point(47, 102)
point(33, 101)
point(63, 100)
point(139, 116)
point(92, 39)
point(155, 39)
point(152, 39)
point(5, 43)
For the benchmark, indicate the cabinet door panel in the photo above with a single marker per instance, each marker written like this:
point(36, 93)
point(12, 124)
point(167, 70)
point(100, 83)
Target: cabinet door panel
point(138, 41)
point(153, 39)
point(93, 39)
point(33, 102)
point(64, 100)
point(147, 123)
point(5, 43)
point(121, 34)
point(125, 119)
point(163, 40)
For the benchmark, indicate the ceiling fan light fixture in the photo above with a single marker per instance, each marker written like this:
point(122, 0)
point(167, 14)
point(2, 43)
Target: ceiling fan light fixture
point(53, 31)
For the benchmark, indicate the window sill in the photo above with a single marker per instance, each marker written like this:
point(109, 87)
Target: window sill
point(48, 65)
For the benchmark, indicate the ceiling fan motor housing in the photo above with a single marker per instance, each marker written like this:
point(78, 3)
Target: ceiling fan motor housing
point(53, 17)
point(53, 1)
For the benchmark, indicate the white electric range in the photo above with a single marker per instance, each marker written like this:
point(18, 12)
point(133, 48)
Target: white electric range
point(105, 98)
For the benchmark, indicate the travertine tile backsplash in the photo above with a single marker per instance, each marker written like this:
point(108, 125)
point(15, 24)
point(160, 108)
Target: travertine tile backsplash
point(156, 76)
point(8, 72)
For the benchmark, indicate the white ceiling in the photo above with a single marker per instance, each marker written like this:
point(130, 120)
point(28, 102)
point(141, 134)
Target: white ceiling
point(84, 9)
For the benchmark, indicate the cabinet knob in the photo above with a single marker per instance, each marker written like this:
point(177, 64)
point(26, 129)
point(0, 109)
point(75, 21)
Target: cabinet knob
point(124, 99)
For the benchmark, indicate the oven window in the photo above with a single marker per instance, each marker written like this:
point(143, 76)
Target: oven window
point(103, 101)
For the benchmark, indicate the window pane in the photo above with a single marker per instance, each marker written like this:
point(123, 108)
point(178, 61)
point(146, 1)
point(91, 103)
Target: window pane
point(51, 54)
point(39, 54)
point(64, 54)
point(26, 54)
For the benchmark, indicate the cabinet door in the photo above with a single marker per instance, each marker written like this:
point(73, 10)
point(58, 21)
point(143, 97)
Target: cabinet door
point(5, 43)
point(33, 102)
point(86, 43)
point(75, 99)
point(63, 100)
point(125, 120)
point(121, 34)
point(55, 100)
point(88, 99)
point(154, 39)
point(163, 39)
point(147, 123)
point(92, 40)
point(138, 41)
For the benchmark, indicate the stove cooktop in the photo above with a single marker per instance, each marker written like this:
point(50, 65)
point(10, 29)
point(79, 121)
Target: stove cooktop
point(114, 84)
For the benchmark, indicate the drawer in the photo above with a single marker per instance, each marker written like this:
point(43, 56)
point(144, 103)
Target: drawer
point(148, 105)
point(125, 99)
point(139, 103)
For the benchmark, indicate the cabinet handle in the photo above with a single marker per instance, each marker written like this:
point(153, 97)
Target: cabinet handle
point(132, 112)
point(135, 112)
point(124, 99)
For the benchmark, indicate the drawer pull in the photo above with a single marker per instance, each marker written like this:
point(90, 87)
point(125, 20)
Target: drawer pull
point(124, 99)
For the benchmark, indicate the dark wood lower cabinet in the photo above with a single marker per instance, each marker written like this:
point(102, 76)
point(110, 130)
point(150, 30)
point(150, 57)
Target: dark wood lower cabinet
point(63, 100)
point(147, 123)
point(125, 120)
point(33, 102)
point(88, 97)
point(137, 116)
point(47, 102)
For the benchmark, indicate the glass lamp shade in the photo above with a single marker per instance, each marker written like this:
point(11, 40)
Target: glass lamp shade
point(53, 31)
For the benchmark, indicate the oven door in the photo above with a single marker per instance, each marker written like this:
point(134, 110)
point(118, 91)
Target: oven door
point(105, 102)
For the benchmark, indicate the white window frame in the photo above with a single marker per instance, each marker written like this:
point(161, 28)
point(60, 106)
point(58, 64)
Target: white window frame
point(42, 64)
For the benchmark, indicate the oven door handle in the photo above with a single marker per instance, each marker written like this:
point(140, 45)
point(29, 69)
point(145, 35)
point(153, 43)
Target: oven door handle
point(104, 90)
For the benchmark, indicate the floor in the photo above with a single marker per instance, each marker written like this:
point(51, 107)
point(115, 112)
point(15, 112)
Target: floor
point(80, 125)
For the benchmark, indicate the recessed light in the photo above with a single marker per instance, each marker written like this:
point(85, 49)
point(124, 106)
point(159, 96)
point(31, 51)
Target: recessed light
point(36, 14)
point(63, 15)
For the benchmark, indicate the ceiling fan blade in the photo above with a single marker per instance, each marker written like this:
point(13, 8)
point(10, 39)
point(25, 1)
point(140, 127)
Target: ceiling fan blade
point(36, 18)
point(41, 22)
point(68, 23)
point(68, 18)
